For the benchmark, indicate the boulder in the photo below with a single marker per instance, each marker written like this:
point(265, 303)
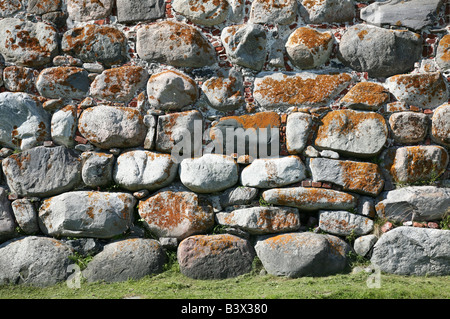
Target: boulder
point(7, 223)
point(367, 96)
point(19, 78)
point(87, 214)
point(327, 11)
point(302, 254)
point(25, 214)
point(344, 223)
point(281, 12)
point(440, 125)
point(63, 82)
point(239, 195)
point(82, 11)
point(224, 93)
point(126, 259)
point(298, 129)
point(130, 11)
point(413, 251)
point(97, 169)
point(64, 126)
point(409, 127)
point(9, 7)
point(363, 245)
point(378, 51)
point(215, 256)
point(443, 53)
point(204, 12)
point(42, 171)
point(43, 7)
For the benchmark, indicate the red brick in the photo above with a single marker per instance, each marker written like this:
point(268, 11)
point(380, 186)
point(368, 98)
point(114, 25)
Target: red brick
point(306, 183)
point(316, 184)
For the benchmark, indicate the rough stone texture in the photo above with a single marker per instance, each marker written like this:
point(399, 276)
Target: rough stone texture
point(443, 53)
point(367, 96)
point(42, 171)
point(245, 45)
point(298, 129)
point(413, 251)
point(126, 259)
point(171, 90)
point(417, 203)
point(209, 173)
point(87, 214)
point(343, 223)
point(86, 10)
point(378, 51)
point(424, 90)
point(302, 254)
point(281, 12)
point(204, 12)
point(440, 125)
point(26, 43)
point(25, 214)
point(119, 84)
point(413, 14)
point(409, 127)
point(97, 169)
point(224, 93)
point(176, 213)
point(23, 122)
point(94, 43)
point(64, 126)
point(320, 11)
point(273, 172)
point(34, 261)
point(308, 48)
point(239, 195)
point(42, 7)
point(129, 11)
point(357, 133)
point(9, 7)
point(298, 89)
point(138, 169)
point(309, 198)
point(63, 82)
point(262, 220)
point(107, 126)
point(7, 223)
point(174, 43)
point(364, 244)
point(359, 177)
point(215, 256)
point(19, 78)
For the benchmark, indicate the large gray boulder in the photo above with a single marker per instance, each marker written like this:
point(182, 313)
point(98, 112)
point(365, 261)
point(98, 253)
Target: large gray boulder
point(298, 128)
point(63, 82)
point(129, 11)
point(126, 259)
point(42, 171)
point(302, 254)
point(34, 261)
point(97, 169)
point(413, 251)
point(343, 223)
point(327, 11)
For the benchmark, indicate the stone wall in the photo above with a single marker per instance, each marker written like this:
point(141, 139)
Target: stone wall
point(299, 132)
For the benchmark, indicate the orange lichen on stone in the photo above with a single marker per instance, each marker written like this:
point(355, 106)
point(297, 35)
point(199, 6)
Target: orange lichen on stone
point(362, 177)
point(368, 93)
point(445, 44)
point(257, 120)
point(311, 38)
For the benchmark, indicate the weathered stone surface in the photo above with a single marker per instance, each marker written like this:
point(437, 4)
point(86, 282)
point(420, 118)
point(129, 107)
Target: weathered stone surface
point(25, 214)
point(378, 51)
point(63, 82)
point(298, 129)
point(320, 11)
point(224, 93)
point(26, 43)
point(176, 213)
point(424, 90)
point(357, 133)
point(245, 45)
point(42, 171)
point(298, 89)
point(129, 11)
point(302, 254)
point(368, 96)
point(413, 251)
point(239, 195)
point(23, 122)
point(180, 133)
point(413, 14)
point(273, 12)
point(19, 78)
point(443, 53)
point(411, 164)
point(138, 169)
point(42, 7)
point(107, 126)
point(364, 244)
point(97, 169)
point(417, 203)
point(171, 90)
point(119, 84)
point(440, 125)
point(7, 223)
point(408, 127)
point(126, 259)
point(215, 256)
point(343, 223)
point(82, 10)
point(358, 177)
point(35, 261)
point(261, 220)
point(273, 172)
point(309, 198)
point(209, 173)
point(9, 7)
point(204, 12)
point(174, 43)
point(308, 48)
point(87, 214)
point(93, 42)
point(64, 126)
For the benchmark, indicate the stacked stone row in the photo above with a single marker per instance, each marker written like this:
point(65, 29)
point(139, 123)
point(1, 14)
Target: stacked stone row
point(97, 97)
